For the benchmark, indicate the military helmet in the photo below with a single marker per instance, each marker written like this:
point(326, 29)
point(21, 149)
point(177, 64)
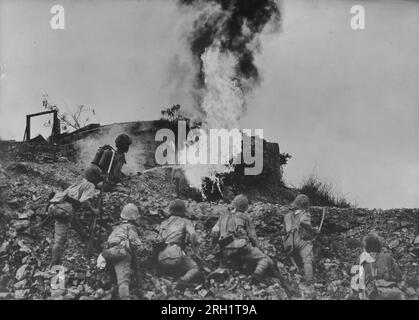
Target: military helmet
point(122, 142)
point(130, 212)
point(301, 202)
point(93, 174)
point(177, 208)
point(372, 243)
point(241, 203)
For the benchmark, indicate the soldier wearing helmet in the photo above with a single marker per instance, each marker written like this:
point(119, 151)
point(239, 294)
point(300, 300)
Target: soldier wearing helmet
point(237, 238)
point(381, 277)
point(63, 207)
point(109, 160)
point(173, 235)
point(122, 144)
point(299, 234)
point(122, 247)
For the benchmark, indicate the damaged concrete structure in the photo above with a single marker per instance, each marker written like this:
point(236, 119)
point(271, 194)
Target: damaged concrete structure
point(81, 145)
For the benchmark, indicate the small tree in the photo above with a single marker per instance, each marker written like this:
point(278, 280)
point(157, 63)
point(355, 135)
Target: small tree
point(69, 119)
point(171, 114)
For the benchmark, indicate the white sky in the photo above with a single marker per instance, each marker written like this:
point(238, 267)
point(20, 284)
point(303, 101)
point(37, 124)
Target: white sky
point(344, 103)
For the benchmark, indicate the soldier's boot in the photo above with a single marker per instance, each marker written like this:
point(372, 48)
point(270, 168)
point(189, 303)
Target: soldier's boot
point(188, 279)
point(262, 266)
point(308, 272)
point(123, 290)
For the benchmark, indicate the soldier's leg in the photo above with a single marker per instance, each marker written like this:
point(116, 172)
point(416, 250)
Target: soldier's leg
point(169, 261)
point(123, 275)
point(189, 269)
point(60, 237)
point(79, 229)
point(306, 254)
point(256, 256)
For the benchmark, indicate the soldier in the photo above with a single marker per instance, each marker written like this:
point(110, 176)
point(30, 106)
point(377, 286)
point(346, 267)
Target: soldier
point(108, 159)
point(416, 242)
point(299, 235)
point(121, 250)
point(237, 238)
point(178, 178)
point(173, 234)
point(381, 275)
point(63, 207)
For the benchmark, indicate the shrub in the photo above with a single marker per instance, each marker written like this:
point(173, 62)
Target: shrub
point(321, 193)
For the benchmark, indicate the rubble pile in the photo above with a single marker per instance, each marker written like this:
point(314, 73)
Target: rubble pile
point(25, 246)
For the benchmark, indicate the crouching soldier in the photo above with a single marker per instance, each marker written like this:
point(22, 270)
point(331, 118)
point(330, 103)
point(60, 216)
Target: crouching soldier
point(237, 238)
point(379, 275)
point(121, 250)
point(416, 242)
point(63, 207)
point(173, 235)
point(109, 161)
point(298, 235)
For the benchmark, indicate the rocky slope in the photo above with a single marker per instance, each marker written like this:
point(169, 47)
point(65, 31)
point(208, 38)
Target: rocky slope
point(25, 246)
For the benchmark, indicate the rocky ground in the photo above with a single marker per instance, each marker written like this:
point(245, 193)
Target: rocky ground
point(25, 246)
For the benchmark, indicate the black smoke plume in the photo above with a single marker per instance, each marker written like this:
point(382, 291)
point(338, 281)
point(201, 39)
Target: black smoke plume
point(235, 28)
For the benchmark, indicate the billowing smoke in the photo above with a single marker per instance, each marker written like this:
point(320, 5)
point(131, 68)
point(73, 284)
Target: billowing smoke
point(223, 42)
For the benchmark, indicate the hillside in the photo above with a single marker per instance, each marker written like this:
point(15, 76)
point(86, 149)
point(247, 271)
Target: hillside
point(24, 253)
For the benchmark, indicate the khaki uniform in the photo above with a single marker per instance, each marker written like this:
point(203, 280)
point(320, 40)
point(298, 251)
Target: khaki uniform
point(63, 213)
point(173, 259)
point(382, 278)
point(298, 238)
point(126, 236)
point(61, 227)
point(178, 178)
point(416, 245)
point(116, 174)
point(244, 247)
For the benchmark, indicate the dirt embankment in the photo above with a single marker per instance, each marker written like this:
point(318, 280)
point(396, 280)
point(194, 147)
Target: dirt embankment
point(25, 248)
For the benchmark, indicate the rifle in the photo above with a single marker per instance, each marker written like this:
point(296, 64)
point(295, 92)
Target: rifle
point(90, 244)
point(317, 233)
point(135, 268)
point(321, 222)
point(202, 264)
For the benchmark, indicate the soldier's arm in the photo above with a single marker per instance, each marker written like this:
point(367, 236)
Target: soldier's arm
point(193, 236)
point(133, 237)
point(252, 233)
point(396, 271)
point(117, 174)
point(306, 219)
point(215, 231)
point(89, 206)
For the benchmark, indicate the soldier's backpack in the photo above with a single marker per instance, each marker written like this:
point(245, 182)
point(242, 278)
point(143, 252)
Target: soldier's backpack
point(171, 256)
point(115, 253)
point(62, 212)
point(232, 234)
point(103, 157)
point(376, 288)
point(381, 288)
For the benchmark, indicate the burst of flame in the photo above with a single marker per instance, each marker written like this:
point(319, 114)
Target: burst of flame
point(223, 104)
